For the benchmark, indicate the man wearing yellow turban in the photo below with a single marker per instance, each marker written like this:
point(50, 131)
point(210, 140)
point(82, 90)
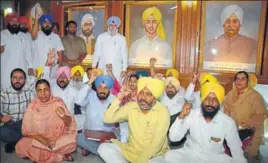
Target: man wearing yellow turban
point(208, 127)
point(154, 43)
point(247, 108)
point(202, 78)
point(148, 122)
point(77, 73)
point(171, 98)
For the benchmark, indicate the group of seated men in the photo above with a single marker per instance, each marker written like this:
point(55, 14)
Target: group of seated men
point(45, 119)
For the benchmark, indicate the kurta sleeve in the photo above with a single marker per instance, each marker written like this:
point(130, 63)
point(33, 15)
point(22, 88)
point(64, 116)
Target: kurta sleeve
point(124, 54)
point(82, 96)
point(180, 127)
point(97, 52)
point(115, 113)
point(189, 94)
point(59, 45)
point(159, 138)
point(235, 144)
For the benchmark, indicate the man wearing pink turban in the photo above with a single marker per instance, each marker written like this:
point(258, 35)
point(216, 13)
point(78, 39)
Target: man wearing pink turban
point(15, 49)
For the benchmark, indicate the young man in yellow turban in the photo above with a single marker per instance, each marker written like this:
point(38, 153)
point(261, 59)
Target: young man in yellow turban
point(154, 43)
point(208, 127)
point(201, 77)
point(148, 122)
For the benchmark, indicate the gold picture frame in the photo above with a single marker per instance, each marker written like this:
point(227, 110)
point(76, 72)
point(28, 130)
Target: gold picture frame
point(129, 4)
point(83, 7)
point(259, 40)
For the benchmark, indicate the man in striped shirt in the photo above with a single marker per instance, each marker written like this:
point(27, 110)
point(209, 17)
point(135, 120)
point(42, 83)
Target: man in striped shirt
point(14, 101)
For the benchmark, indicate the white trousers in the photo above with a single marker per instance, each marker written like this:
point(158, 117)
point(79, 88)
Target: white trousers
point(110, 153)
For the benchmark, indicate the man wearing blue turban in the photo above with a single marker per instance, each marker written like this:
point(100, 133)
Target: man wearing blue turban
point(111, 49)
point(46, 42)
point(95, 103)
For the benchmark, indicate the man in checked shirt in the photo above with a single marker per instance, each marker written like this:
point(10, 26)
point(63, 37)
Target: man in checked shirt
point(14, 101)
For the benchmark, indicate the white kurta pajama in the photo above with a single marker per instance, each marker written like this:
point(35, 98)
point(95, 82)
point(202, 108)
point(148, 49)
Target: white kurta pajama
point(111, 50)
point(204, 142)
point(42, 45)
point(17, 54)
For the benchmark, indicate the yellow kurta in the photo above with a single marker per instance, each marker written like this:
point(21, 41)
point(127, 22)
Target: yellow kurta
point(147, 132)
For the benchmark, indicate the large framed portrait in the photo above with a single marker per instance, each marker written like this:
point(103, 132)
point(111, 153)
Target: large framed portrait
point(151, 30)
point(91, 20)
point(232, 35)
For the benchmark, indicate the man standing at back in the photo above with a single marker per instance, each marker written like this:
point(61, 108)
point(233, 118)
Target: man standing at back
point(75, 47)
point(111, 49)
point(45, 41)
point(15, 49)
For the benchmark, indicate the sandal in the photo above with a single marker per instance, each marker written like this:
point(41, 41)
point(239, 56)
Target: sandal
point(68, 157)
point(85, 152)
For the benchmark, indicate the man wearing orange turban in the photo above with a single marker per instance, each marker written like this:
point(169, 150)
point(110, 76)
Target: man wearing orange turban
point(15, 49)
point(208, 127)
point(25, 25)
point(148, 122)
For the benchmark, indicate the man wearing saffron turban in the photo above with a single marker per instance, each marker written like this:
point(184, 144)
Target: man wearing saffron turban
point(148, 122)
point(153, 44)
point(231, 46)
point(208, 127)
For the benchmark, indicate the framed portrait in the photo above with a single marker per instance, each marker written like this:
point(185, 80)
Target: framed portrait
point(91, 21)
point(151, 30)
point(232, 35)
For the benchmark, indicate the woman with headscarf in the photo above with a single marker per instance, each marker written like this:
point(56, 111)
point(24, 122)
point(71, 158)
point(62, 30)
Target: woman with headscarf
point(153, 44)
point(48, 128)
point(246, 107)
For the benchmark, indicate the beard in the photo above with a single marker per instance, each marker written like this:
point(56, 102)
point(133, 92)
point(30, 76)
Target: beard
point(13, 29)
point(77, 84)
point(17, 86)
point(60, 84)
point(148, 107)
point(112, 31)
point(24, 30)
point(87, 32)
point(47, 30)
point(171, 94)
point(209, 114)
point(103, 96)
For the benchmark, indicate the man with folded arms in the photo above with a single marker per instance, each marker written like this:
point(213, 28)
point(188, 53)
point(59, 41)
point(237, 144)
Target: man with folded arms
point(208, 128)
point(148, 122)
point(96, 102)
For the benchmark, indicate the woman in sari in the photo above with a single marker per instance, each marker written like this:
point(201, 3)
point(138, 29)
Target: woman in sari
point(246, 107)
point(49, 130)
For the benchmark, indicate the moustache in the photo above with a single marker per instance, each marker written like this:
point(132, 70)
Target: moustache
point(17, 83)
point(143, 101)
point(209, 106)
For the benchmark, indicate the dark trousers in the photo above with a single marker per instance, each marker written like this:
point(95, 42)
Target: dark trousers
point(11, 132)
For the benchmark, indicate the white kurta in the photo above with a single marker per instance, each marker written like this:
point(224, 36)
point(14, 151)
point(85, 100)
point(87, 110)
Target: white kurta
point(17, 54)
point(68, 95)
point(143, 49)
point(175, 104)
point(42, 45)
point(111, 50)
point(193, 97)
point(204, 142)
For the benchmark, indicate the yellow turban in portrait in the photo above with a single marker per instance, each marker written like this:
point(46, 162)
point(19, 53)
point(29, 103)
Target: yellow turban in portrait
point(172, 80)
point(40, 70)
point(208, 78)
point(156, 86)
point(253, 80)
point(97, 71)
point(216, 88)
point(158, 16)
point(77, 68)
point(173, 72)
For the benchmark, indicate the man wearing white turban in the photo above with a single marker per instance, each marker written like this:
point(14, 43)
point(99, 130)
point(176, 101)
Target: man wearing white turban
point(153, 44)
point(111, 49)
point(231, 46)
point(87, 25)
